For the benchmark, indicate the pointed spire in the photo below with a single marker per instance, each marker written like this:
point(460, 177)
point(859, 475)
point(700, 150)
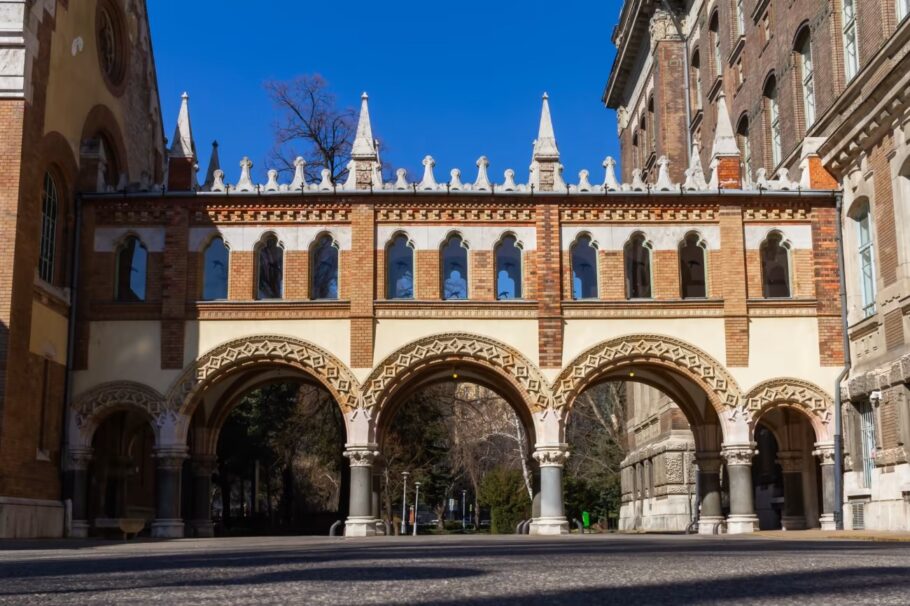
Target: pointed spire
point(545, 145)
point(429, 179)
point(214, 164)
point(364, 146)
point(482, 182)
point(183, 145)
point(724, 138)
point(245, 184)
point(299, 182)
point(610, 182)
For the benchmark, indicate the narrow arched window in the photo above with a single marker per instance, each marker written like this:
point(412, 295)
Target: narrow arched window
point(806, 74)
point(742, 139)
point(454, 269)
point(132, 271)
point(740, 18)
point(399, 268)
point(50, 203)
point(772, 119)
point(270, 269)
point(215, 270)
point(584, 268)
point(324, 268)
point(865, 257)
point(508, 269)
point(715, 44)
point(692, 275)
point(851, 46)
point(638, 267)
point(696, 76)
point(775, 266)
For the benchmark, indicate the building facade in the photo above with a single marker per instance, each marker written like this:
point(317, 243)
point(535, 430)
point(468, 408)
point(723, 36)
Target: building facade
point(798, 79)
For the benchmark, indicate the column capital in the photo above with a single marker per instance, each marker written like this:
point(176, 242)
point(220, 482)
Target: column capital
point(708, 462)
point(551, 456)
point(79, 458)
point(204, 464)
point(825, 453)
point(738, 454)
point(790, 461)
point(171, 457)
point(361, 455)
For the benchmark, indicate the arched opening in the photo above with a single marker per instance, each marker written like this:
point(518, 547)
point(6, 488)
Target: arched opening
point(714, 29)
point(508, 268)
point(584, 268)
point(772, 121)
point(692, 271)
point(805, 72)
point(745, 148)
point(269, 268)
point(454, 261)
point(324, 268)
point(637, 253)
point(399, 256)
point(131, 277)
point(775, 266)
point(121, 475)
point(215, 265)
point(696, 78)
point(50, 229)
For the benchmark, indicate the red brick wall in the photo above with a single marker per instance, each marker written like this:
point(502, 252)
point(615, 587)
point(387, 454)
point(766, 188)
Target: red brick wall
point(733, 261)
point(827, 286)
point(549, 291)
point(480, 273)
point(362, 273)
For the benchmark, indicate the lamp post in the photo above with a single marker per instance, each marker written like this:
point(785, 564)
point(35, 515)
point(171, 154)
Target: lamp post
point(463, 522)
point(416, 504)
point(404, 502)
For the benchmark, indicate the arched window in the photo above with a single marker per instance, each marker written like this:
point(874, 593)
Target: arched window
point(324, 268)
point(696, 76)
point(715, 44)
point(742, 140)
point(638, 267)
point(508, 269)
point(772, 119)
point(692, 274)
point(215, 270)
point(454, 257)
point(50, 203)
point(740, 18)
point(806, 73)
point(775, 266)
point(584, 268)
point(865, 257)
point(270, 268)
point(651, 122)
point(399, 268)
point(132, 271)
point(851, 46)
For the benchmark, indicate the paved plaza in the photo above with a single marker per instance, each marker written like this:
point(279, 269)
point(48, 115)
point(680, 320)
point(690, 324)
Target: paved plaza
point(629, 570)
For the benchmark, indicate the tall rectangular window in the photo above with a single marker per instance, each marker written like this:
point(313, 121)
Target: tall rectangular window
point(775, 130)
point(808, 77)
point(866, 262)
point(903, 9)
point(48, 243)
point(851, 50)
point(867, 431)
point(741, 18)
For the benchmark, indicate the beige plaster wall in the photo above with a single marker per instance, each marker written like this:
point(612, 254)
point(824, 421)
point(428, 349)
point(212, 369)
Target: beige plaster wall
point(49, 332)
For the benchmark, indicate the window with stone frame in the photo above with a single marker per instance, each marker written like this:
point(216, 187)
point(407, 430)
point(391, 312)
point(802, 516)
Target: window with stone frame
point(215, 265)
point(399, 256)
point(131, 277)
point(766, 25)
point(714, 30)
point(865, 256)
point(653, 132)
point(772, 119)
point(851, 43)
point(806, 74)
point(324, 268)
point(112, 42)
point(454, 261)
point(692, 267)
point(269, 268)
point(745, 147)
point(775, 267)
point(740, 17)
point(696, 77)
point(50, 209)
point(637, 255)
point(866, 463)
point(584, 268)
point(508, 269)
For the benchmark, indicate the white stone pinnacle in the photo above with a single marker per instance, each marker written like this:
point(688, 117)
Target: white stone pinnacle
point(364, 147)
point(429, 179)
point(610, 182)
point(482, 183)
point(183, 145)
point(545, 146)
point(724, 138)
point(214, 165)
point(299, 182)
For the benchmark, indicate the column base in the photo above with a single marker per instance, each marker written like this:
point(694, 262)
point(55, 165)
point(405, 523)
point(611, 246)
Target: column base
point(203, 528)
point(79, 529)
point(360, 527)
point(168, 529)
point(742, 524)
point(549, 526)
point(827, 521)
point(793, 523)
point(711, 525)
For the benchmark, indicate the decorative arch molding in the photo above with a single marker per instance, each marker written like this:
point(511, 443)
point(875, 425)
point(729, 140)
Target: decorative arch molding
point(425, 353)
point(784, 391)
point(688, 360)
point(247, 352)
point(90, 408)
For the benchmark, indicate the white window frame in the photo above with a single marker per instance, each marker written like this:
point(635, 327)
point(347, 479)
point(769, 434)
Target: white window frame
point(866, 261)
point(851, 42)
point(903, 9)
point(50, 209)
point(808, 81)
point(774, 110)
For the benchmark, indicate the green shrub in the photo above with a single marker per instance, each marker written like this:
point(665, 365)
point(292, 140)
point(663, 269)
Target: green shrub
point(503, 491)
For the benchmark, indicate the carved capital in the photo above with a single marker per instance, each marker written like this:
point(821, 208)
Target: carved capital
point(790, 461)
point(551, 456)
point(738, 454)
point(361, 456)
point(79, 458)
point(170, 459)
point(825, 454)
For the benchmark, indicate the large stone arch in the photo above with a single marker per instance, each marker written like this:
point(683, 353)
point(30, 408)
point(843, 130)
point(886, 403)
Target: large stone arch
point(508, 365)
point(806, 397)
point(90, 408)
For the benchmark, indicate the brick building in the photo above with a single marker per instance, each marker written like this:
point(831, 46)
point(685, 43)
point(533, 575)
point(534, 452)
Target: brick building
point(808, 86)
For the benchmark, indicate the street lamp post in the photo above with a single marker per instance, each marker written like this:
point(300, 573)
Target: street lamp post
point(416, 506)
point(404, 503)
point(464, 524)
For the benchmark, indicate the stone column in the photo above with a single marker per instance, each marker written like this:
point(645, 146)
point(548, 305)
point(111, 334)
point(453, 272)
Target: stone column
point(794, 514)
point(710, 515)
point(552, 519)
point(360, 522)
point(77, 472)
point(742, 518)
point(168, 522)
point(825, 453)
point(535, 486)
point(203, 468)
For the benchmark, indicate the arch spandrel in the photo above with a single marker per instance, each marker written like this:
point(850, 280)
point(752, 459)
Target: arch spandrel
point(91, 407)
point(784, 391)
point(676, 355)
point(248, 352)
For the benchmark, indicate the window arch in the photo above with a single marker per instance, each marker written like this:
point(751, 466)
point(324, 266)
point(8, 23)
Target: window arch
point(584, 268)
point(50, 209)
point(714, 29)
point(696, 73)
point(653, 139)
point(215, 262)
point(806, 71)
point(742, 140)
point(324, 268)
point(637, 252)
point(692, 267)
point(865, 252)
point(772, 119)
point(851, 45)
point(132, 271)
point(508, 268)
point(399, 256)
point(269, 268)
point(775, 266)
point(454, 258)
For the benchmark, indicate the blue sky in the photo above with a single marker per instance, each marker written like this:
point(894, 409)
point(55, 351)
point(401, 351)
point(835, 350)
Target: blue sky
point(455, 80)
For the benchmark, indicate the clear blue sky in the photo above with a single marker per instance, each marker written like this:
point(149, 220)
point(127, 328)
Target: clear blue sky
point(453, 80)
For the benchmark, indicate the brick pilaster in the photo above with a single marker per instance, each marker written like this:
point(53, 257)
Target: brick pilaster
point(733, 262)
point(827, 286)
point(362, 278)
point(173, 287)
point(549, 291)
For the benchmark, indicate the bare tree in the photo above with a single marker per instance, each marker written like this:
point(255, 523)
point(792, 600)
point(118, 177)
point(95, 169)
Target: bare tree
point(312, 126)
